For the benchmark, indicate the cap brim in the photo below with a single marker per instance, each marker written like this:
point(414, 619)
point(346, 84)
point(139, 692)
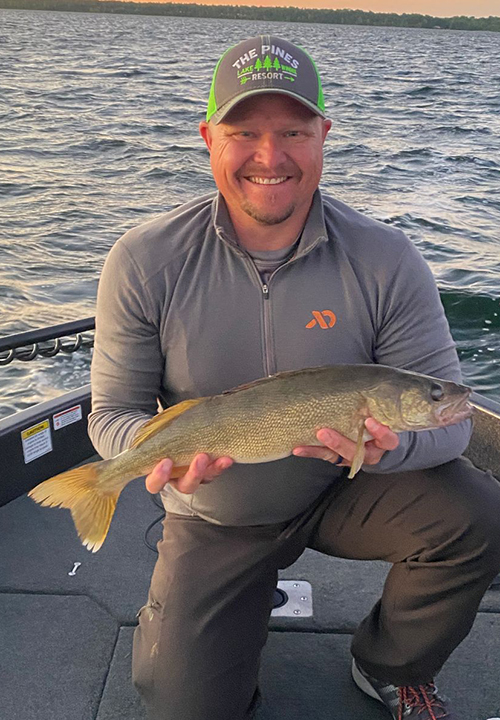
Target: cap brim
point(221, 113)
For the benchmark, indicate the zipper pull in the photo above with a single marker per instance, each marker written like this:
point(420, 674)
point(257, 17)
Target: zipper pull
point(265, 290)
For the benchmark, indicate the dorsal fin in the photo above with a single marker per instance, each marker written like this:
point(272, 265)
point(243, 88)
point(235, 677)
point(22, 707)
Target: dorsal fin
point(261, 381)
point(272, 378)
point(160, 421)
point(246, 386)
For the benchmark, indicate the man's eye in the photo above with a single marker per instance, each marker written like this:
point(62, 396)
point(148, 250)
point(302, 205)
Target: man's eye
point(293, 133)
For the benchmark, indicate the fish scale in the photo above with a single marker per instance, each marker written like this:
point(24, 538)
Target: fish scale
point(253, 431)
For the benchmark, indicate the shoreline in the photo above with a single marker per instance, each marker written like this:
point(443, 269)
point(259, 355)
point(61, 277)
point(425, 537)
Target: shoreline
point(359, 18)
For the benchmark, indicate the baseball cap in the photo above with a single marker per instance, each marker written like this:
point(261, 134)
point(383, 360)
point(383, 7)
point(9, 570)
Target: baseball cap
point(261, 64)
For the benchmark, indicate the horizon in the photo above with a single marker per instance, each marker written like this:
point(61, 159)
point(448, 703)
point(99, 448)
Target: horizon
point(436, 8)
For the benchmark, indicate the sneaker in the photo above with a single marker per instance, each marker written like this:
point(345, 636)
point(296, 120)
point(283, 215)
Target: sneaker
point(421, 702)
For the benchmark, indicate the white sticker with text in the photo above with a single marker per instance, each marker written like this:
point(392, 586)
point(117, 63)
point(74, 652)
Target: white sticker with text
point(37, 441)
point(67, 417)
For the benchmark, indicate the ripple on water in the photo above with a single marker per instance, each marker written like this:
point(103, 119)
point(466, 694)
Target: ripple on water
point(422, 92)
point(99, 131)
point(483, 202)
point(472, 159)
point(461, 130)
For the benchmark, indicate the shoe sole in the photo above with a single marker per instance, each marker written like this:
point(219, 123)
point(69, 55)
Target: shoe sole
point(363, 684)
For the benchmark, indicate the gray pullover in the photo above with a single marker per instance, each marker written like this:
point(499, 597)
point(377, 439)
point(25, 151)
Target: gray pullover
point(182, 312)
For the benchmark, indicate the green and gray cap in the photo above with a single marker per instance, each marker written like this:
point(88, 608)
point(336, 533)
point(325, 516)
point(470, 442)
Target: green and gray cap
point(264, 64)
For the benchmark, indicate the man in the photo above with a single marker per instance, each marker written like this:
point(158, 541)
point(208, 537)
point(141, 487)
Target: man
point(269, 275)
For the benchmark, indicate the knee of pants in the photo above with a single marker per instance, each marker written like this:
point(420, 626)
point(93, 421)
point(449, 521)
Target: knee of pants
point(142, 665)
point(145, 647)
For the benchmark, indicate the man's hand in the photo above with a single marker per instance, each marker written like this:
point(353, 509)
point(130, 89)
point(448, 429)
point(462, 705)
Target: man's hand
point(201, 470)
point(337, 446)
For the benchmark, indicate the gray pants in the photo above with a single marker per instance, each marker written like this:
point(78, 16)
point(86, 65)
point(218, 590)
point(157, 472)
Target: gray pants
point(198, 644)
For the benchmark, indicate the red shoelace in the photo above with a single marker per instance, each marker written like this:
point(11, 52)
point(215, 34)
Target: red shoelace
point(422, 697)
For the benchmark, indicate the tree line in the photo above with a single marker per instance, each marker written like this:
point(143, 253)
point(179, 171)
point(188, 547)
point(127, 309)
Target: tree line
point(283, 14)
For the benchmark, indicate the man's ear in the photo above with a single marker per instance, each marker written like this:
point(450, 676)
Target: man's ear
point(206, 134)
point(327, 124)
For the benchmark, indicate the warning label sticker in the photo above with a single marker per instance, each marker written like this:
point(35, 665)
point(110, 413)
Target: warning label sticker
point(66, 417)
point(37, 441)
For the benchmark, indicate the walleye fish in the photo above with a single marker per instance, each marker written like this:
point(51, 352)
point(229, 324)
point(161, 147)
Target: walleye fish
point(258, 422)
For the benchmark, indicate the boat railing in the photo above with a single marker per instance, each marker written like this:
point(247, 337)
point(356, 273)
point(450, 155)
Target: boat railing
point(51, 436)
point(47, 342)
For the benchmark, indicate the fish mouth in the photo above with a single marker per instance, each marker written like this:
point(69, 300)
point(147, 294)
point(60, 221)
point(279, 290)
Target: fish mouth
point(454, 411)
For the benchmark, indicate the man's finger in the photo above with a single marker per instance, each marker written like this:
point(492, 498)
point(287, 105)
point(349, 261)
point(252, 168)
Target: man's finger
point(159, 476)
point(373, 454)
point(190, 482)
point(340, 444)
point(313, 451)
point(217, 467)
point(333, 445)
point(383, 436)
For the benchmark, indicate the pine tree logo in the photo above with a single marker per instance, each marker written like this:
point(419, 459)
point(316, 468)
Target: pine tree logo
point(258, 64)
point(276, 64)
point(267, 62)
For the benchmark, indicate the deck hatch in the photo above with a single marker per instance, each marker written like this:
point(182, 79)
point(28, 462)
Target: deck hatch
point(298, 599)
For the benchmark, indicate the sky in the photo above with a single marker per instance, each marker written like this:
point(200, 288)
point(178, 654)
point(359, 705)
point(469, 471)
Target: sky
point(441, 8)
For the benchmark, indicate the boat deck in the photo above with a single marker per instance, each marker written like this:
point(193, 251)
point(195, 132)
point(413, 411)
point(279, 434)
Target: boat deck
point(66, 639)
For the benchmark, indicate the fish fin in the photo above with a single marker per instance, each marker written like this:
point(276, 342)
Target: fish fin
point(270, 378)
point(78, 491)
point(163, 419)
point(359, 455)
point(251, 384)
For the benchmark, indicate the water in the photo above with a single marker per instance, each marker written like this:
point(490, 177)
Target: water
point(98, 132)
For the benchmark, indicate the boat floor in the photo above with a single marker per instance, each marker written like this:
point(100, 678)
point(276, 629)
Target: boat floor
point(66, 639)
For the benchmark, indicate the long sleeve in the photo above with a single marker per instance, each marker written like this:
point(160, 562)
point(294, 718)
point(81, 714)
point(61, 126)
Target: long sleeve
point(414, 335)
point(127, 364)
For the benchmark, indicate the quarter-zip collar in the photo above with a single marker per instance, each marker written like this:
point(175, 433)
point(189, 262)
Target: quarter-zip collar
point(313, 233)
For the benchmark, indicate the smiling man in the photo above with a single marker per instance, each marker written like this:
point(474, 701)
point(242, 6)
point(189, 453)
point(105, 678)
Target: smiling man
point(267, 158)
point(269, 274)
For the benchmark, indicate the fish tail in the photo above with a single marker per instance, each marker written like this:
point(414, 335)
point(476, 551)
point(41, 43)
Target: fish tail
point(78, 490)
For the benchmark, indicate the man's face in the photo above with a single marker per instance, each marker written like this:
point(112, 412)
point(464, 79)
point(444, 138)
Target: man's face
point(267, 157)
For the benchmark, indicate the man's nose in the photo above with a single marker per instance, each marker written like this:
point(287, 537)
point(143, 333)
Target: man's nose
point(269, 151)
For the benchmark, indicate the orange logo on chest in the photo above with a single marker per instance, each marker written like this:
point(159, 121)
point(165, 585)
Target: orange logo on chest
point(325, 319)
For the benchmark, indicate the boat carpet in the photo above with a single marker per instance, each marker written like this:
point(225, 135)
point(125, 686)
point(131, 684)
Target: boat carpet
point(54, 658)
point(59, 629)
point(39, 548)
point(56, 651)
point(307, 675)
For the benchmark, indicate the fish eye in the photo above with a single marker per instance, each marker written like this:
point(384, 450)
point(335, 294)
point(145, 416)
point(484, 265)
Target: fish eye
point(437, 392)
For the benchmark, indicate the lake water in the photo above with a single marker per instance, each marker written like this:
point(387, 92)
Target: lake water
point(98, 133)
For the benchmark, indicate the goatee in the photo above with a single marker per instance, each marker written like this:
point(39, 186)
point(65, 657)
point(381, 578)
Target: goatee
point(267, 217)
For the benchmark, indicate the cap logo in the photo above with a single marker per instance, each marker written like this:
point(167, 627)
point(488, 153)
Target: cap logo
point(264, 64)
point(252, 67)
